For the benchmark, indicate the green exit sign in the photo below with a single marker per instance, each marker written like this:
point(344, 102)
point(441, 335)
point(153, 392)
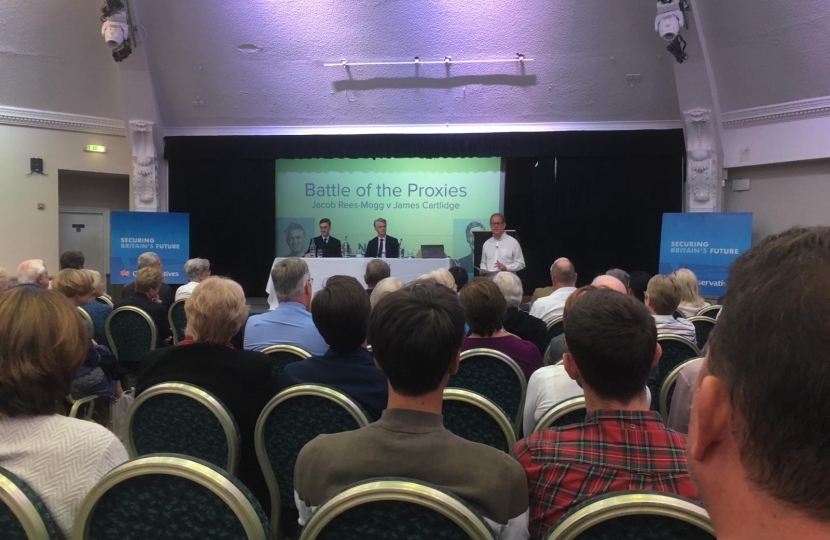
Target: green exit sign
point(96, 148)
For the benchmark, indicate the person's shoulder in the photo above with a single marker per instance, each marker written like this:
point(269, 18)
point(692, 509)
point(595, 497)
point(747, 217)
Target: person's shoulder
point(326, 449)
point(88, 435)
point(486, 458)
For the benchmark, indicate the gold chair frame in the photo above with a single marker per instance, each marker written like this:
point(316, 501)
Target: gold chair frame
point(153, 329)
point(204, 398)
point(181, 467)
point(558, 410)
point(483, 403)
point(517, 423)
point(298, 390)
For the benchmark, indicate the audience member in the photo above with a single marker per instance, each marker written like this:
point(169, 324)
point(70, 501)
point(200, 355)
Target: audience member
point(516, 321)
point(60, 458)
point(72, 259)
point(33, 274)
point(242, 380)
point(460, 275)
point(291, 322)
point(443, 276)
point(197, 271)
point(4, 279)
point(152, 260)
point(92, 377)
point(609, 282)
point(98, 311)
point(145, 296)
point(620, 274)
point(341, 313)
point(637, 284)
point(563, 276)
point(416, 338)
point(384, 287)
point(376, 270)
point(557, 346)
point(758, 436)
point(681, 401)
point(690, 300)
point(621, 445)
point(485, 310)
point(662, 299)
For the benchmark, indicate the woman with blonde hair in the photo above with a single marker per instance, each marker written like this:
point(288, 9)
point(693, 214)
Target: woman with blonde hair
point(42, 345)
point(241, 380)
point(98, 311)
point(92, 377)
point(690, 300)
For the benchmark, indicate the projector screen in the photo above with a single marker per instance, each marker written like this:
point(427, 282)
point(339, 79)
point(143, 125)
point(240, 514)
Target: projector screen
point(424, 201)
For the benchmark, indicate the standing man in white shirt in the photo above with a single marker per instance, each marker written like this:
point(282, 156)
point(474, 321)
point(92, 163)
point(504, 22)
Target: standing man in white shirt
point(502, 252)
point(563, 277)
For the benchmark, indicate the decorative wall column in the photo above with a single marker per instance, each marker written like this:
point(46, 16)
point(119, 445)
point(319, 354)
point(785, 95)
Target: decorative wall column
point(702, 156)
point(145, 166)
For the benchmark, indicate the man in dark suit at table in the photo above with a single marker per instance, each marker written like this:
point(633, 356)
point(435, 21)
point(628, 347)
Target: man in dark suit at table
point(382, 246)
point(325, 243)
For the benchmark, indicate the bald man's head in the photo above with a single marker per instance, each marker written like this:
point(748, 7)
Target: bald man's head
point(562, 273)
point(609, 282)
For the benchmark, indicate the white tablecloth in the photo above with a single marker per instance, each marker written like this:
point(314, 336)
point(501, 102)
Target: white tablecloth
point(321, 269)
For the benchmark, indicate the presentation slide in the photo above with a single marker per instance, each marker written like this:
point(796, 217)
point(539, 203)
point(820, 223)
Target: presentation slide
point(424, 201)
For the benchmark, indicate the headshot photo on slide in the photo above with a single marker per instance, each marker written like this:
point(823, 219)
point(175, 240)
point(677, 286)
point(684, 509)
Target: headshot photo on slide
point(294, 235)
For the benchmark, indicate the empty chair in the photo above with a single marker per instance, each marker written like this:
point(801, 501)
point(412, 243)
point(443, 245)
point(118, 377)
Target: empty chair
point(23, 515)
point(131, 334)
point(497, 377)
point(676, 350)
point(179, 418)
point(177, 319)
point(556, 326)
point(634, 514)
point(395, 508)
point(667, 389)
point(566, 412)
point(703, 327)
point(710, 311)
point(169, 496)
point(475, 418)
point(290, 420)
point(283, 355)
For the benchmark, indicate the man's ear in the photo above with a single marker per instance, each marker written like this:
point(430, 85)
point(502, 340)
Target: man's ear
point(711, 424)
point(570, 366)
point(453, 369)
point(375, 360)
point(658, 353)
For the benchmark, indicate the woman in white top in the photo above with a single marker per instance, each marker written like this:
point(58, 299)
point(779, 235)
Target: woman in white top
point(43, 342)
point(690, 300)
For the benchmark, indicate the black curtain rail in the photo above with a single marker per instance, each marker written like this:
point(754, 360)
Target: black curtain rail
point(642, 143)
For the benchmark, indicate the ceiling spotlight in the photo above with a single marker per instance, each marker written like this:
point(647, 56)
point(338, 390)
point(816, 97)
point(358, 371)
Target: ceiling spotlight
point(520, 57)
point(447, 59)
point(116, 28)
point(417, 60)
point(669, 19)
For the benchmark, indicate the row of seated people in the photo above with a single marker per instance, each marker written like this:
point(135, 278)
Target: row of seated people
point(757, 435)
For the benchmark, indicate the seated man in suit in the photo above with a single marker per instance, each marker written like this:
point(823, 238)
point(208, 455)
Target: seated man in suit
point(341, 313)
point(621, 445)
point(549, 305)
point(326, 244)
point(145, 296)
point(416, 337)
point(662, 298)
point(382, 246)
point(376, 270)
point(152, 260)
point(290, 323)
point(758, 443)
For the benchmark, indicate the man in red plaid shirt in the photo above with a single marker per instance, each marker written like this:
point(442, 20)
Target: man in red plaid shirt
point(621, 445)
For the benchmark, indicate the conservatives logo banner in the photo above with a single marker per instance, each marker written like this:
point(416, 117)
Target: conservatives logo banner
point(134, 233)
point(706, 244)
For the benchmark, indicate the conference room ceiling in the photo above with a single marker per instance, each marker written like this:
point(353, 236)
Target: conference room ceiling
point(260, 62)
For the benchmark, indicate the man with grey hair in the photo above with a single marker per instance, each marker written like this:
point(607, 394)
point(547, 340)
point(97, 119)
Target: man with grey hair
point(382, 246)
point(609, 282)
point(517, 321)
point(291, 322)
point(376, 270)
point(563, 276)
point(620, 274)
point(32, 273)
point(197, 271)
point(151, 260)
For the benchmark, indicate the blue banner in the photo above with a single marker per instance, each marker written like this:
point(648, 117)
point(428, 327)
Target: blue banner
point(706, 244)
point(134, 233)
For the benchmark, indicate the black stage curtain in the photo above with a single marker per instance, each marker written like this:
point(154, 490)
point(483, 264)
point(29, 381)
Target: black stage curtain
point(594, 197)
point(231, 205)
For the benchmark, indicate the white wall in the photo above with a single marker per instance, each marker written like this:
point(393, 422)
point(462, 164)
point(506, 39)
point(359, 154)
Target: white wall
point(782, 196)
point(29, 233)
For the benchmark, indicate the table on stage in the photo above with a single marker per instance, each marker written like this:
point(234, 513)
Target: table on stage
point(321, 269)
